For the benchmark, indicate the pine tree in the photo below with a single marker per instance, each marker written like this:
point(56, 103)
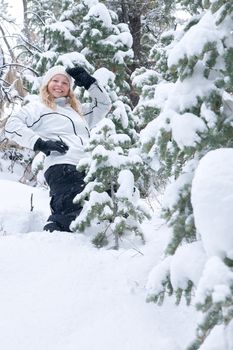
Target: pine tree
point(146, 20)
point(110, 198)
point(199, 115)
point(107, 43)
point(146, 82)
point(192, 121)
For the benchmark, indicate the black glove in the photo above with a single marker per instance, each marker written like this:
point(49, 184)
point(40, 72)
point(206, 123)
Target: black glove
point(47, 146)
point(81, 77)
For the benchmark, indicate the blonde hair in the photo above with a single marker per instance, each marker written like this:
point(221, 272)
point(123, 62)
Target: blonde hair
point(49, 100)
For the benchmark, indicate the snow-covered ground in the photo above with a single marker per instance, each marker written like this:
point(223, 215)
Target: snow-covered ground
point(58, 292)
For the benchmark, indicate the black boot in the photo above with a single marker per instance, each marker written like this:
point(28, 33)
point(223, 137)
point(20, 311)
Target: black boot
point(52, 226)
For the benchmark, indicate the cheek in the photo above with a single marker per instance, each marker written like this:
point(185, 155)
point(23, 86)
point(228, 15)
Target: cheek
point(49, 88)
point(67, 90)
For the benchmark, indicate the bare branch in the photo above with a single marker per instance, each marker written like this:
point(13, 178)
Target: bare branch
point(7, 44)
point(18, 65)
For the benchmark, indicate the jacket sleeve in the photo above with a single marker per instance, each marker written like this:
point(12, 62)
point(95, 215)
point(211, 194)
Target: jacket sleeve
point(18, 127)
point(99, 106)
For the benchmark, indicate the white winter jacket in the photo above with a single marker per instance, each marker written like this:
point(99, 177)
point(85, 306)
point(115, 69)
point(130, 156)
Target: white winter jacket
point(35, 120)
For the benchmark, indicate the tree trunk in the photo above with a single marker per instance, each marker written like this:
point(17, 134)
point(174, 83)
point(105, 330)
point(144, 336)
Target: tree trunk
point(135, 29)
point(25, 21)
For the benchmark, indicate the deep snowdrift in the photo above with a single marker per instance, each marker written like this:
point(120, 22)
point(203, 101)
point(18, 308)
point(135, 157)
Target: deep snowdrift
point(59, 292)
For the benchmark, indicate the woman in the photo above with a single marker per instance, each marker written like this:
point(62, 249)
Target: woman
point(55, 125)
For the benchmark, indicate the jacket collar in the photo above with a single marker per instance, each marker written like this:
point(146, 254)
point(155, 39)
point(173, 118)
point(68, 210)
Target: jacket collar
point(61, 101)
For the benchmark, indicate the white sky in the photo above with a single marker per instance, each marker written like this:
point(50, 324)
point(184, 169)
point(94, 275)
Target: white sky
point(17, 9)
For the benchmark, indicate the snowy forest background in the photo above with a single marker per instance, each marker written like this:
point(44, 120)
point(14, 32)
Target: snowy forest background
point(167, 66)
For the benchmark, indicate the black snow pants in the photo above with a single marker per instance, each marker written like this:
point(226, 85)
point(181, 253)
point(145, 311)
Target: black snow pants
point(64, 182)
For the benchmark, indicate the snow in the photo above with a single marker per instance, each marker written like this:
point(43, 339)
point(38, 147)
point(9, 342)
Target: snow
point(227, 107)
point(215, 280)
point(157, 276)
point(173, 99)
point(104, 75)
point(74, 58)
point(192, 254)
point(152, 130)
point(185, 94)
point(185, 129)
point(215, 341)
point(120, 139)
point(126, 182)
point(212, 202)
point(24, 198)
point(212, 194)
point(60, 292)
point(124, 38)
point(174, 189)
point(198, 36)
point(121, 55)
point(120, 113)
point(208, 115)
point(120, 41)
point(90, 3)
point(140, 80)
point(95, 197)
point(64, 28)
point(101, 12)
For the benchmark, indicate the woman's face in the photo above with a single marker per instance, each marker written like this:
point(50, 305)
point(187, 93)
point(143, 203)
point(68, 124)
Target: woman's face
point(59, 86)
